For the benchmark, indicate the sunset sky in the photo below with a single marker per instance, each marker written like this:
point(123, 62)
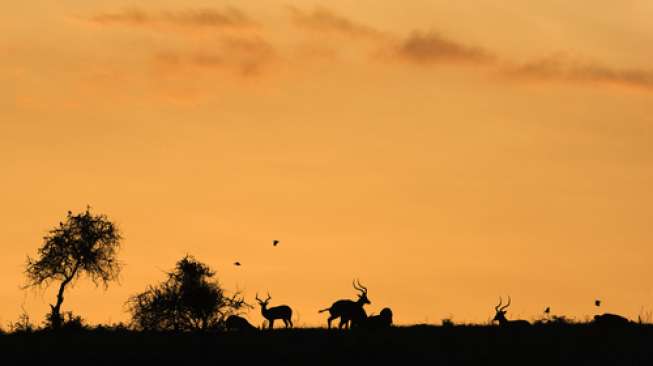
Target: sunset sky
point(445, 153)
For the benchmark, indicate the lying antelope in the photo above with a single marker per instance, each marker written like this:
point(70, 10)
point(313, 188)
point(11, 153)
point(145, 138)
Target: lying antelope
point(347, 310)
point(610, 320)
point(235, 322)
point(381, 321)
point(283, 312)
point(500, 316)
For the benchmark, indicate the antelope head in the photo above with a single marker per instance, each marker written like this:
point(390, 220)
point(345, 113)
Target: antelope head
point(500, 315)
point(263, 303)
point(362, 297)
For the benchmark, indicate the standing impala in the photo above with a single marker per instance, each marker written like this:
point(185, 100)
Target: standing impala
point(348, 310)
point(283, 312)
point(500, 316)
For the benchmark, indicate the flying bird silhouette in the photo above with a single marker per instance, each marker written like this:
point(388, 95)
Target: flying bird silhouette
point(275, 242)
point(236, 263)
point(597, 302)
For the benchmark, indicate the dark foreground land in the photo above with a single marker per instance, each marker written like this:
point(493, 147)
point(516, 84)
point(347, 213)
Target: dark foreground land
point(415, 345)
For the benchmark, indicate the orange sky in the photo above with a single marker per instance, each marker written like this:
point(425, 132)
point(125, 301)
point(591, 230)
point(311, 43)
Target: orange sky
point(444, 154)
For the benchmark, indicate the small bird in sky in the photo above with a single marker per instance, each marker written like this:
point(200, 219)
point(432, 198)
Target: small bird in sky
point(275, 242)
point(597, 302)
point(547, 310)
point(236, 263)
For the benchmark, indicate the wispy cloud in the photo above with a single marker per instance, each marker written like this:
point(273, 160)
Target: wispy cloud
point(419, 47)
point(248, 53)
point(128, 16)
point(429, 48)
point(324, 20)
point(190, 18)
point(432, 49)
point(236, 50)
point(561, 68)
point(240, 56)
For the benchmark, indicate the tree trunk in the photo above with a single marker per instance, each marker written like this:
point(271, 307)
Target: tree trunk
point(55, 316)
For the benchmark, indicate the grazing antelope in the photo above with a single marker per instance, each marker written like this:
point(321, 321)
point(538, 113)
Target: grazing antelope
point(348, 310)
point(610, 320)
point(283, 312)
point(500, 316)
point(235, 322)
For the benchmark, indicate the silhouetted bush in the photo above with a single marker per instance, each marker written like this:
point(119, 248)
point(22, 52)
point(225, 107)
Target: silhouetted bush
point(447, 322)
point(561, 319)
point(69, 322)
point(555, 320)
point(187, 300)
point(22, 325)
point(115, 327)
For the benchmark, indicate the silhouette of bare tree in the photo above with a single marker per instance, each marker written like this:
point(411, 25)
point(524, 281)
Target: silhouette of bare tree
point(84, 244)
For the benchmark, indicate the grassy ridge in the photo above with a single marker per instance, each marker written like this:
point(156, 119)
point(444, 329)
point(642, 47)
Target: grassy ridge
point(578, 344)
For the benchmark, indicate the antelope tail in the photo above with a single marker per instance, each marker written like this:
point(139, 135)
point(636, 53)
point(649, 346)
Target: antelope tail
point(323, 310)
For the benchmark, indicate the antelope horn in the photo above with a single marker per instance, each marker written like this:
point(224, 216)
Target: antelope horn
point(496, 308)
point(269, 297)
point(506, 305)
point(354, 284)
point(257, 299)
point(362, 288)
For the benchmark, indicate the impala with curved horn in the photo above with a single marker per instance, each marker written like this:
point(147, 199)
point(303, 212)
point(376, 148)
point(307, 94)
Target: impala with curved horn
point(500, 316)
point(347, 310)
point(283, 312)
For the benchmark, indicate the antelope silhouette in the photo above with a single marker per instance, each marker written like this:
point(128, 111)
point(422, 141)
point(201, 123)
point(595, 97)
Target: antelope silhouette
point(347, 310)
point(610, 320)
point(283, 312)
point(500, 316)
point(381, 321)
point(235, 322)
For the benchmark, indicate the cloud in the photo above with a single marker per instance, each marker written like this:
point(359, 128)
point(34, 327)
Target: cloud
point(190, 18)
point(247, 53)
point(237, 50)
point(431, 48)
point(560, 68)
point(128, 17)
point(423, 48)
point(324, 20)
point(235, 55)
point(251, 55)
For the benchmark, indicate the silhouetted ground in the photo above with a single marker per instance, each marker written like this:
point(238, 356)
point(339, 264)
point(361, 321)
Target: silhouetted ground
point(415, 345)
